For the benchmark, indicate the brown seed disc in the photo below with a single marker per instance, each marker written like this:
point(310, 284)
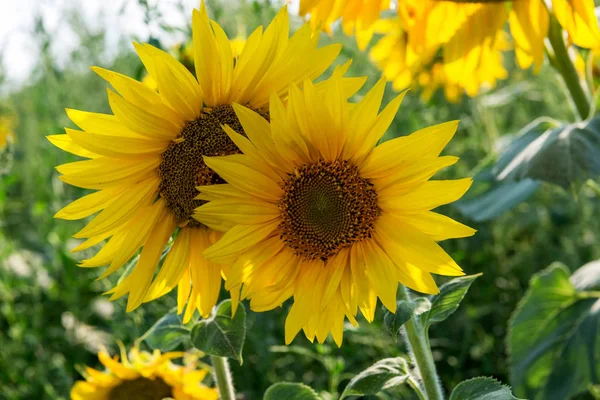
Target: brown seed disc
point(183, 168)
point(326, 206)
point(141, 389)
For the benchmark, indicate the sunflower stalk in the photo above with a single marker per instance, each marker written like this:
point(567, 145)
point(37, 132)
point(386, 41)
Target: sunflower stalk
point(420, 351)
point(223, 378)
point(562, 63)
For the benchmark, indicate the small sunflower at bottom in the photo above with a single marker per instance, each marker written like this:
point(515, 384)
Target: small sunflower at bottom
point(144, 376)
point(314, 209)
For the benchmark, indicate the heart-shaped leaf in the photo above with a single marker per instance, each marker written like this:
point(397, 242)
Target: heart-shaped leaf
point(448, 300)
point(167, 333)
point(561, 156)
point(222, 335)
point(553, 338)
point(384, 374)
point(404, 311)
point(481, 388)
point(290, 391)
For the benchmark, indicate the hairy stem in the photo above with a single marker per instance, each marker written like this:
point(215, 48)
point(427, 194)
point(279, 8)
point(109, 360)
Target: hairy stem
point(418, 346)
point(223, 378)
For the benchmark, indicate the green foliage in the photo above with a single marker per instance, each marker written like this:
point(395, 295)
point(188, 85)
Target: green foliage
point(481, 388)
point(384, 374)
point(222, 334)
point(447, 301)
point(405, 311)
point(563, 156)
point(291, 391)
point(167, 333)
point(553, 337)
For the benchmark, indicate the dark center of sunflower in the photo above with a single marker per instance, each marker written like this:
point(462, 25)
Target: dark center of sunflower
point(141, 389)
point(183, 169)
point(326, 206)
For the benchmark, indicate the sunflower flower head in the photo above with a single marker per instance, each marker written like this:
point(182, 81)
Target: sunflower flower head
point(144, 161)
point(358, 16)
point(316, 211)
point(144, 376)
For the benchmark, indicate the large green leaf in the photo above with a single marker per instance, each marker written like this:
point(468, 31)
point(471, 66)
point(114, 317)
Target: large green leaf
point(222, 335)
point(167, 333)
point(404, 311)
point(448, 300)
point(481, 388)
point(290, 391)
point(562, 156)
point(553, 336)
point(384, 374)
point(490, 198)
point(497, 199)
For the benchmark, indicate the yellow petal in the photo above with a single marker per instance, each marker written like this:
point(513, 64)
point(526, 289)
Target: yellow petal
point(89, 204)
point(403, 242)
point(64, 142)
point(141, 121)
point(239, 173)
point(238, 239)
point(424, 143)
point(429, 195)
point(118, 147)
point(437, 226)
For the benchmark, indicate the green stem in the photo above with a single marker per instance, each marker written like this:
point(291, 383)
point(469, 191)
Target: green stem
point(561, 61)
point(223, 378)
point(415, 385)
point(418, 345)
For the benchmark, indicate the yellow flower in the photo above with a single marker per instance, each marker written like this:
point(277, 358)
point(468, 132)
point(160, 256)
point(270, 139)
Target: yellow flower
point(358, 16)
point(143, 376)
point(145, 161)
point(315, 210)
point(471, 51)
point(577, 17)
point(6, 131)
point(529, 22)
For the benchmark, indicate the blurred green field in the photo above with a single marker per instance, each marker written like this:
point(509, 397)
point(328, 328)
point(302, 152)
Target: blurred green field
point(53, 316)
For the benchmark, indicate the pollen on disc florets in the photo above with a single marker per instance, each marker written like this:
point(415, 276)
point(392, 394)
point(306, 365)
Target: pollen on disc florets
point(183, 169)
point(141, 389)
point(326, 206)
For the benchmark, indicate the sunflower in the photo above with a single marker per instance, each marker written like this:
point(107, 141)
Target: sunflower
point(357, 16)
point(315, 210)
point(6, 131)
point(145, 376)
point(145, 160)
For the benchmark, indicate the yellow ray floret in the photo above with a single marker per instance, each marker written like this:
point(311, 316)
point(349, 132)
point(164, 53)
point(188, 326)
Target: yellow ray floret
point(358, 16)
point(150, 375)
point(316, 211)
point(144, 160)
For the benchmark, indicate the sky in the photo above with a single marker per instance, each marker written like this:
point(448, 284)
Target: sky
point(122, 18)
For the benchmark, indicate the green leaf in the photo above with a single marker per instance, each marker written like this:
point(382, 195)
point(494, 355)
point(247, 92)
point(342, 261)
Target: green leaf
point(167, 333)
point(222, 335)
point(290, 391)
point(481, 388)
point(447, 301)
point(562, 156)
point(384, 374)
point(404, 311)
point(553, 338)
point(497, 199)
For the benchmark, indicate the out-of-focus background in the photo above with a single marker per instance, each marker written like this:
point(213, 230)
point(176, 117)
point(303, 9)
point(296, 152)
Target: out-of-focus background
point(53, 316)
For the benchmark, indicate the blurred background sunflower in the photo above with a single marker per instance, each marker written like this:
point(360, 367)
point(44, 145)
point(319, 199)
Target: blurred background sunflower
point(145, 376)
point(52, 314)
